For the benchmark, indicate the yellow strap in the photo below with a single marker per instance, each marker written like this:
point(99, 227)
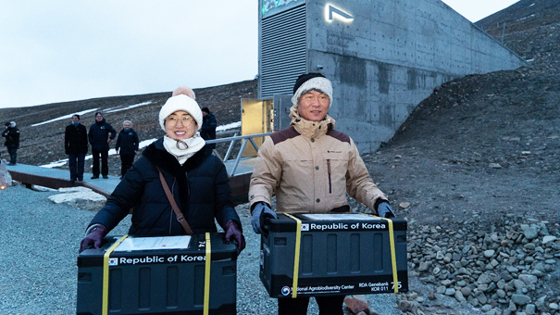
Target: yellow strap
point(207, 274)
point(296, 255)
point(393, 252)
point(105, 305)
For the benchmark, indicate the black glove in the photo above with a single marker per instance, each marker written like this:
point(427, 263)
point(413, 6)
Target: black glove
point(260, 212)
point(384, 210)
point(94, 237)
point(233, 232)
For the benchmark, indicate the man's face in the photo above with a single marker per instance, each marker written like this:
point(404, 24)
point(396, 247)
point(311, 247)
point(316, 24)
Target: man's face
point(313, 105)
point(75, 119)
point(127, 125)
point(98, 117)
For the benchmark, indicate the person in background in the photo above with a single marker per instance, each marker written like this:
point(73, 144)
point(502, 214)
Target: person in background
point(310, 167)
point(76, 146)
point(12, 141)
point(198, 181)
point(100, 134)
point(208, 130)
point(127, 146)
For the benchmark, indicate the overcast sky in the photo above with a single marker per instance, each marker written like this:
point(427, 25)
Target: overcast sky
point(64, 50)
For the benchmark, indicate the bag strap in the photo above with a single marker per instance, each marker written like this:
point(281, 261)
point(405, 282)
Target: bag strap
point(174, 205)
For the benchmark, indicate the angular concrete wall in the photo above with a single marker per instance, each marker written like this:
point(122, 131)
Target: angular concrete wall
point(389, 56)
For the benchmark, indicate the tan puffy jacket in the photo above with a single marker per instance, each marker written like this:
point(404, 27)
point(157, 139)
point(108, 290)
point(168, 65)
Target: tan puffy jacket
point(310, 167)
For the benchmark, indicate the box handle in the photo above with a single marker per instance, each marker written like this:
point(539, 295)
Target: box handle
point(393, 254)
point(105, 305)
point(207, 274)
point(296, 255)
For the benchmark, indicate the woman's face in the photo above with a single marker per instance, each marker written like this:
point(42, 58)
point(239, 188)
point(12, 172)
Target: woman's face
point(180, 125)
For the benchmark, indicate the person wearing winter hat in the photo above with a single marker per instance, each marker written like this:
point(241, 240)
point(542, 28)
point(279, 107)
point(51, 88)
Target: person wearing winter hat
point(198, 181)
point(185, 90)
point(209, 124)
point(100, 134)
point(12, 141)
point(310, 167)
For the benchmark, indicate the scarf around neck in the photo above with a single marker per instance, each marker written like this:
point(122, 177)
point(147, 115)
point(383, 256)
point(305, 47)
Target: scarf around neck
point(308, 128)
point(182, 150)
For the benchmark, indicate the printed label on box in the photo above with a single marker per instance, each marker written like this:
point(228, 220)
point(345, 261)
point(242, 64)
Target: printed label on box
point(156, 259)
point(153, 243)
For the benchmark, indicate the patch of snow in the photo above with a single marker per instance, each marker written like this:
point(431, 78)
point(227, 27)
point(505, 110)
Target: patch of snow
point(128, 107)
point(229, 126)
point(141, 145)
point(69, 116)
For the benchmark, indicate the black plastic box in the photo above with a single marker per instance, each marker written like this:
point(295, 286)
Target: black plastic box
point(339, 254)
point(158, 280)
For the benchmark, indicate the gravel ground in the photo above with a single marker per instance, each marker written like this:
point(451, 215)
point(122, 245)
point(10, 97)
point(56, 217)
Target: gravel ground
point(40, 242)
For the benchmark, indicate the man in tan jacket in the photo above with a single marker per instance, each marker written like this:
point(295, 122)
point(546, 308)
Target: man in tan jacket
point(310, 167)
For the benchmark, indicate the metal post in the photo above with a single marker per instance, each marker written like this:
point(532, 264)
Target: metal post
point(243, 145)
point(230, 148)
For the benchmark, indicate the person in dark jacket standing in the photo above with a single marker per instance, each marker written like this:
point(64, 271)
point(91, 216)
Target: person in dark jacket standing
point(12, 141)
point(127, 146)
point(100, 134)
point(198, 181)
point(209, 124)
point(76, 146)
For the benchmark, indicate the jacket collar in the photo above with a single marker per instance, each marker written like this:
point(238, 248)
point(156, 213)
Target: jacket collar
point(308, 128)
point(158, 156)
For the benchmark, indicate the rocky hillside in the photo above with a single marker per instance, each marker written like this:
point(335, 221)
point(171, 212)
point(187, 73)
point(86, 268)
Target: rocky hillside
point(475, 170)
point(530, 28)
point(44, 143)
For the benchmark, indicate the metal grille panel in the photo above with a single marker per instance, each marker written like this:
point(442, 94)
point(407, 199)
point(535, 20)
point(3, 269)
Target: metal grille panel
point(283, 51)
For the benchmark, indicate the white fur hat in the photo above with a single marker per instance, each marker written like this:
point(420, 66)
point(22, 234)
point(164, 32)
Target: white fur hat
point(180, 102)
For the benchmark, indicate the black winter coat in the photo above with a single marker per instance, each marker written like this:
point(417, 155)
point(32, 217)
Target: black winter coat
point(127, 142)
point(75, 139)
point(208, 128)
point(98, 135)
point(12, 137)
point(202, 194)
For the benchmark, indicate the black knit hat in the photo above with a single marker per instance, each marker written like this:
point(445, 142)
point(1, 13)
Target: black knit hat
point(305, 77)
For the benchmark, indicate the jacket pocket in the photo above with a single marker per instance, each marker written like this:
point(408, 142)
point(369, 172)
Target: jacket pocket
point(336, 164)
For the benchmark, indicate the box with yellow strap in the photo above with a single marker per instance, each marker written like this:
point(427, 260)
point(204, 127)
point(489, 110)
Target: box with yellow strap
point(333, 254)
point(169, 275)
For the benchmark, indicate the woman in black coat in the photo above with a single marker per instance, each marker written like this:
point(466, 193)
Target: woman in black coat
point(197, 179)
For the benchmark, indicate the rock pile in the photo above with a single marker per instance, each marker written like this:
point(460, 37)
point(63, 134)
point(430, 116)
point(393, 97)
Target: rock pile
point(511, 269)
point(5, 177)
point(80, 197)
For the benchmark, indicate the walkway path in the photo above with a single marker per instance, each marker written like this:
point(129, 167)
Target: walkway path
point(56, 178)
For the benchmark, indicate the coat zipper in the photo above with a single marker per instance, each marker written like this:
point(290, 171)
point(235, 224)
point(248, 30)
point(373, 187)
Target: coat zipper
point(173, 215)
point(329, 171)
